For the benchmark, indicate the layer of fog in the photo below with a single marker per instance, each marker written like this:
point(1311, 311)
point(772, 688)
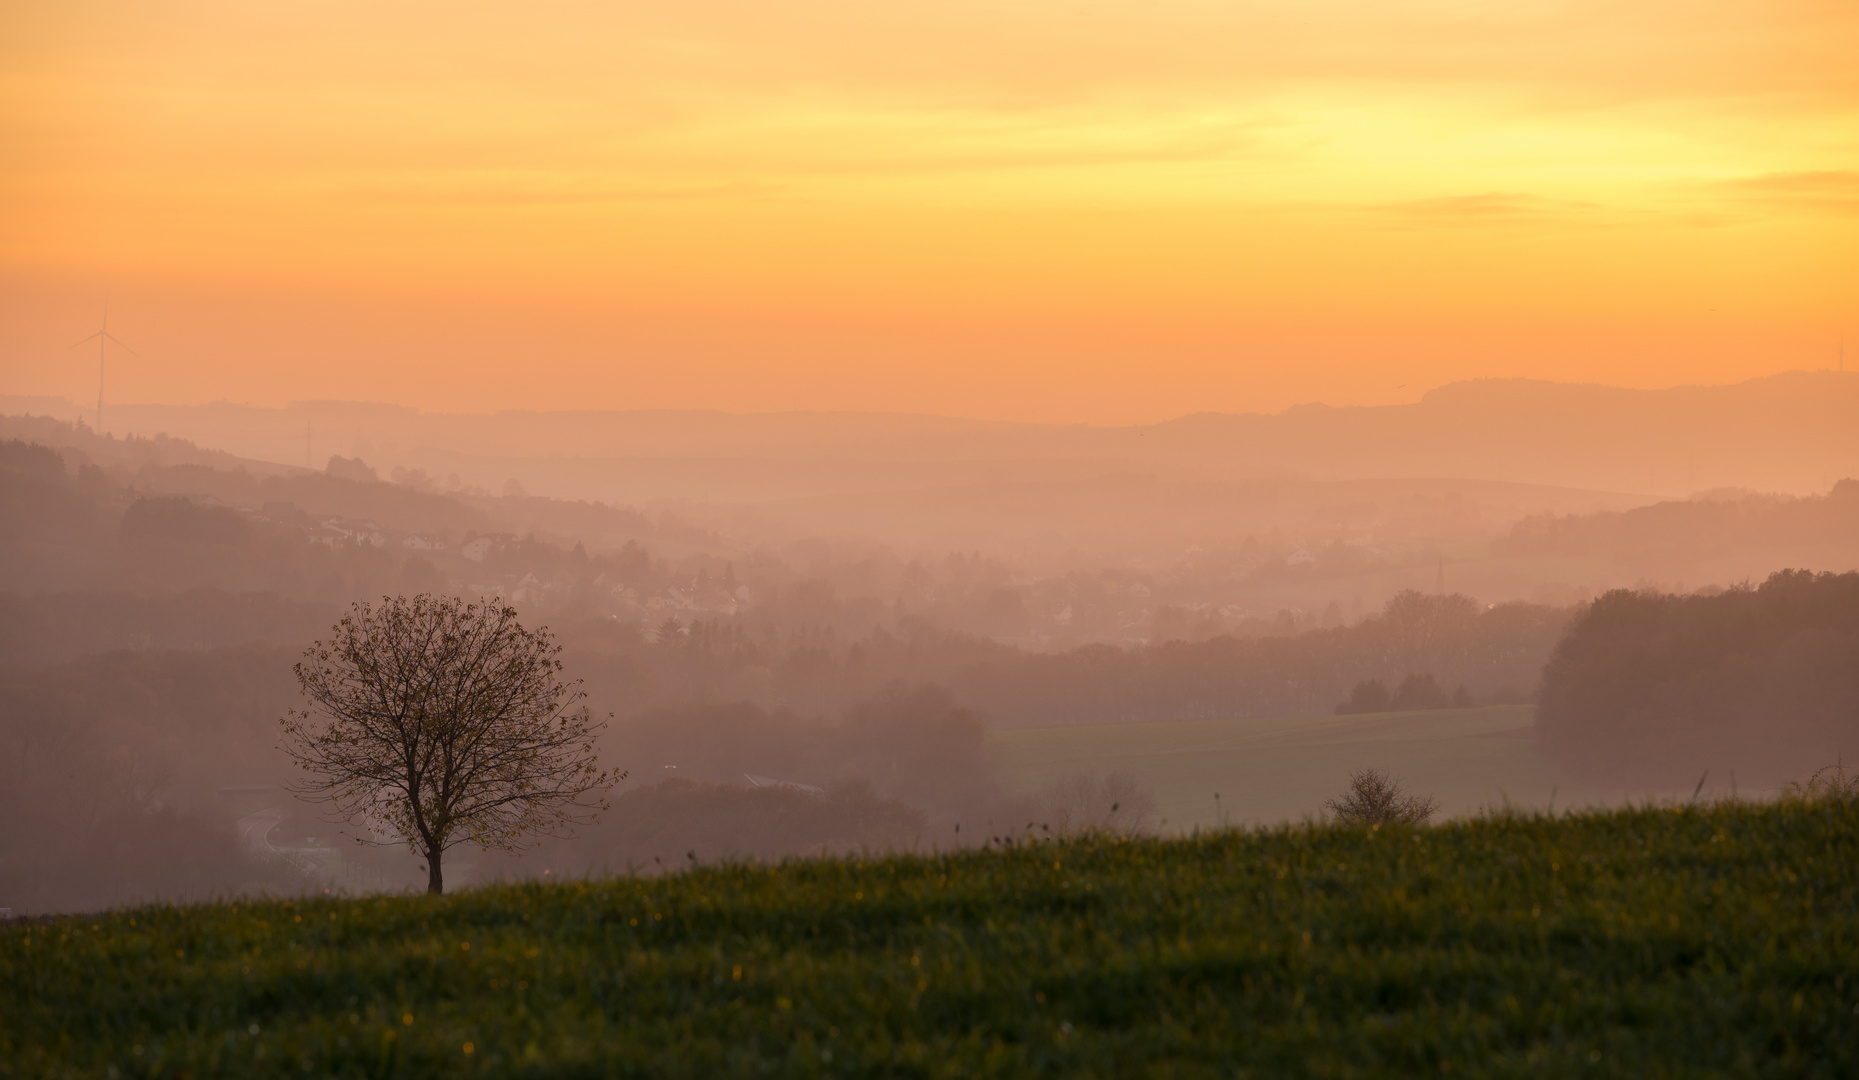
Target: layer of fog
point(838, 663)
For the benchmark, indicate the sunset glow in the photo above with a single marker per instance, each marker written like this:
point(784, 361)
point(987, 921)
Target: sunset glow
point(1095, 211)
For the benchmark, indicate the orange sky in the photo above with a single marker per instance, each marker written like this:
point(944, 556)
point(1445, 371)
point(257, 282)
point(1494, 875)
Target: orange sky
point(1096, 210)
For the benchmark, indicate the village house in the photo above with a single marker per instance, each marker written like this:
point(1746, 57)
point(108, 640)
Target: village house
point(479, 548)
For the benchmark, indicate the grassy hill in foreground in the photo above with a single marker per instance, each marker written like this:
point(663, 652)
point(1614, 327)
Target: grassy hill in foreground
point(1651, 942)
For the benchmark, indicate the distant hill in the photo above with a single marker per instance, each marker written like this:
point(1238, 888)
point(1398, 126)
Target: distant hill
point(1792, 432)
point(1720, 536)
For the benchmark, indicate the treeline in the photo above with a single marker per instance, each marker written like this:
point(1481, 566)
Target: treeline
point(114, 770)
point(903, 768)
point(1496, 653)
point(64, 528)
point(1708, 525)
point(1759, 685)
point(43, 628)
point(69, 525)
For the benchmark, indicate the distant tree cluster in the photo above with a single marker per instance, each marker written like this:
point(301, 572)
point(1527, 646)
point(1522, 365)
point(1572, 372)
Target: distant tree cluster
point(351, 468)
point(912, 744)
point(1761, 684)
point(1495, 653)
point(1414, 692)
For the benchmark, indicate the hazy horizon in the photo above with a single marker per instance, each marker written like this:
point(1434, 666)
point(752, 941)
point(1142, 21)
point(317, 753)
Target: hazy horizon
point(80, 405)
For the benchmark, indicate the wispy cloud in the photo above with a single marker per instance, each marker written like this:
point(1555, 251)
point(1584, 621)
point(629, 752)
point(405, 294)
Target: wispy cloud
point(1827, 190)
point(1484, 208)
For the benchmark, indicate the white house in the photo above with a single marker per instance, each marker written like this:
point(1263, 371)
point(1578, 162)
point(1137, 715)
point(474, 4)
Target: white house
point(791, 785)
point(530, 588)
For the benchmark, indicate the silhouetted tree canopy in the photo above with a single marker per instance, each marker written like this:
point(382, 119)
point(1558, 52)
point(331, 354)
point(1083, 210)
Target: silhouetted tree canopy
point(347, 468)
point(1653, 688)
point(1416, 692)
point(1375, 798)
point(444, 722)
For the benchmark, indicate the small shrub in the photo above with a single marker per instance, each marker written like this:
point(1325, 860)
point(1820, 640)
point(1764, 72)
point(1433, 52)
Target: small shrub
point(1375, 798)
point(1082, 802)
point(1831, 782)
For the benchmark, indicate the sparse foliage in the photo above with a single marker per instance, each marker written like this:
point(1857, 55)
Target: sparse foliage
point(1375, 798)
point(444, 722)
point(1085, 802)
point(1831, 782)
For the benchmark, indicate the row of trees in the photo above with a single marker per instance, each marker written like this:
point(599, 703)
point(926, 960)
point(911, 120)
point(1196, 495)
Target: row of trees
point(1494, 653)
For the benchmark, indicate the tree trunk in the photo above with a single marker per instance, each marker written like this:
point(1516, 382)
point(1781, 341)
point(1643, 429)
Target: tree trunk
point(435, 881)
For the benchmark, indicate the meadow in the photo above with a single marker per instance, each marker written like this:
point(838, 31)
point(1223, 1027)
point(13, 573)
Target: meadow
point(1702, 940)
point(1271, 770)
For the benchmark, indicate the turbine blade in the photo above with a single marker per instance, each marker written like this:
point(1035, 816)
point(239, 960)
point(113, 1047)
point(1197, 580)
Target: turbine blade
point(92, 337)
point(114, 338)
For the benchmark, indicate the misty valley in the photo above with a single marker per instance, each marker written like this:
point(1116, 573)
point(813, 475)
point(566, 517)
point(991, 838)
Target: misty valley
point(780, 793)
point(770, 697)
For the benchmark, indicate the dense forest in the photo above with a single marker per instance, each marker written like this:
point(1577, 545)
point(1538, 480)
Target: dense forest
point(1759, 683)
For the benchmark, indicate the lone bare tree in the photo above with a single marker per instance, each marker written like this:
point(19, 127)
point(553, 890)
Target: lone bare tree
point(445, 722)
point(1375, 798)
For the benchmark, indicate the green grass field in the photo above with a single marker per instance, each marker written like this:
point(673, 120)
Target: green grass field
point(1273, 770)
point(1719, 940)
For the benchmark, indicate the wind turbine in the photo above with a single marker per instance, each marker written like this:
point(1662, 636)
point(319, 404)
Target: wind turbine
point(103, 337)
